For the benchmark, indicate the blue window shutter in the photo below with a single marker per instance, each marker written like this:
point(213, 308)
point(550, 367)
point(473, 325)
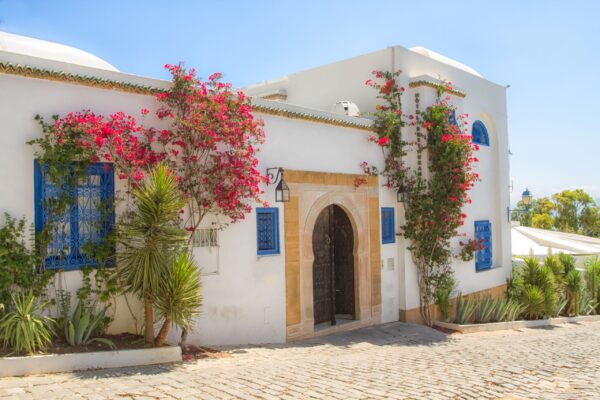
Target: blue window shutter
point(480, 133)
point(483, 232)
point(267, 231)
point(87, 219)
point(388, 226)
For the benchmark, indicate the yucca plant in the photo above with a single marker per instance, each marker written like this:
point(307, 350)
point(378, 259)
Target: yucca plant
point(485, 309)
point(532, 300)
point(553, 262)
point(573, 285)
point(23, 328)
point(465, 307)
point(178, 299)
point(592, 281)
point(568, 262)
point(85, 322)
point(149, 238)
point(559, 306)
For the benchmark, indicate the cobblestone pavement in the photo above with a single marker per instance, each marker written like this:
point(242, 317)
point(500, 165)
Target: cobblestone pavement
point(392, 361)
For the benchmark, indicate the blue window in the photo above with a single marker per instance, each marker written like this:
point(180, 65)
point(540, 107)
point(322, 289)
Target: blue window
point(388, 227)
point(267, 231)
point(88, 218)
point(452, 117)
point(483, 257)
point(480, 134)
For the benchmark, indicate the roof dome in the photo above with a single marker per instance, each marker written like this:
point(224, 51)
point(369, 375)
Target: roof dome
point(438, 57)
point(51, 51)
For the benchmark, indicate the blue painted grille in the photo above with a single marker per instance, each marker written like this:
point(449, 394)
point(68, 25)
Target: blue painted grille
point(267, 231)
point(87, 220)
point(483, 232)
point(388, 229)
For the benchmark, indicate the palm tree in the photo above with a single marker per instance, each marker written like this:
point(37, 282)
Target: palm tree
point(178, 299)
point(149, 238)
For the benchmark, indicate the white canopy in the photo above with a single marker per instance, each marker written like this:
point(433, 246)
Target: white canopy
point(526, 241)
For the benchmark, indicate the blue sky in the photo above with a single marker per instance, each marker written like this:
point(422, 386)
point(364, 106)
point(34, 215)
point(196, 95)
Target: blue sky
point(548, 51)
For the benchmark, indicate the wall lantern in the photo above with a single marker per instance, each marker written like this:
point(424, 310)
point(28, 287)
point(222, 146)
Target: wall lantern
point(402, 194)
point(282, 190)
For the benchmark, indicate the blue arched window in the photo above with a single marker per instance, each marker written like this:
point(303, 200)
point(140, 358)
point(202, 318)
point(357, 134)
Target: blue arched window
point(480, 134)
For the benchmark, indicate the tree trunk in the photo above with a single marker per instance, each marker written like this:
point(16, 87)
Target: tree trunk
point(149, 316)
point(184, 336)
point(162, 334)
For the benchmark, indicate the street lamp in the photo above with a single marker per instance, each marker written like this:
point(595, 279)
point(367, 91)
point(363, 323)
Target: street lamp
point(282, 190)
point(401, 194)
point(526, 200)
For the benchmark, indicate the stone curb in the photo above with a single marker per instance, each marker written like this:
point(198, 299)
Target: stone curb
point(498, 326)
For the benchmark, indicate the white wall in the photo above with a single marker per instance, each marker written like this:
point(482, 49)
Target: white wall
point(321, 87)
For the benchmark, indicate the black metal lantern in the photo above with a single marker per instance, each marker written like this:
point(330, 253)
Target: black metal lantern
point(282, 190)
point(401, 195)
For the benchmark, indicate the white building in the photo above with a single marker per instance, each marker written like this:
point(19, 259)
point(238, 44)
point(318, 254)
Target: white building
point(267, 292)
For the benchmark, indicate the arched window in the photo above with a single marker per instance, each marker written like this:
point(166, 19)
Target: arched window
point(480, 134)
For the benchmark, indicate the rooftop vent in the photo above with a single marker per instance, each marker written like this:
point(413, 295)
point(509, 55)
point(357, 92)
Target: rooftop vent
point(347, 108)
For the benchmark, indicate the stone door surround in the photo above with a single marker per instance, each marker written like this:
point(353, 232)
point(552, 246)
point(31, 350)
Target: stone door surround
point(310, 193)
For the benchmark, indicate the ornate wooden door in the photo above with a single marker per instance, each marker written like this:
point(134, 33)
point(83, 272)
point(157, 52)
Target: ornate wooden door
point(333, 269)
point(323, 268)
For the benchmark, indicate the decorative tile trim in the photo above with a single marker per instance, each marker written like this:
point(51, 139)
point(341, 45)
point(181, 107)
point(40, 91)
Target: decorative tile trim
point(85, 80)
point(91, 81)
point(424, 83)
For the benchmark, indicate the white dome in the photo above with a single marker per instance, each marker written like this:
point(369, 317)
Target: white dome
point(438, 57)
point(51, 51)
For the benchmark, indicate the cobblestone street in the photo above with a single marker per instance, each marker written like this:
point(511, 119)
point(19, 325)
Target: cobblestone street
point(392, 361)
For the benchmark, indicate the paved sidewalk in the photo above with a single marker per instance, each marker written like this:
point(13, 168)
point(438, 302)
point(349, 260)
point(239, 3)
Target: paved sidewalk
point(392, 361)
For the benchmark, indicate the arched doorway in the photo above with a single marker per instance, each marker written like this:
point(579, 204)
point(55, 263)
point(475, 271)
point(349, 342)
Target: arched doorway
point(333, 267)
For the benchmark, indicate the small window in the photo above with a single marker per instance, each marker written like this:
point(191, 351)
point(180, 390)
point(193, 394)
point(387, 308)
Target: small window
point(452, 117)
point(267, 231)
point(480, 134)
point(88, 219)
point(206, 237)
point(483, 257)
point(388, 228)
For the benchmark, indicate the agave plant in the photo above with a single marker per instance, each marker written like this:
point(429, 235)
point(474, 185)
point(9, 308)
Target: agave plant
point(485, 309)
point(178, 299)
point(84, 323)
point(592, 281)
point(149, 239)
point(500, 309)
point(587, 304)
point(23, 328)
point(513, 310)
point(465, 307)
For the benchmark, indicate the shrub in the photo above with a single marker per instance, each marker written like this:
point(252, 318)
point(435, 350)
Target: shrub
point(18, 261)
point(534, 286)
point(23, 328)
point(592, 281)
point(444, 288)
point(573, 285)
point(465, 307)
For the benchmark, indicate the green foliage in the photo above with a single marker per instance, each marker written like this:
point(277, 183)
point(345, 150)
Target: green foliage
point(85, 322)
point(485, 310)
point(534, 286)
point(149, 238)
point(567, 211)
point(178, 300)
point(465, 307)
point(587, 304)
point(573, 290)
point(592, 282)
point(513, 310)
point(23, 328)
point(568, 262)
point(443, 291)
point(19, 261)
